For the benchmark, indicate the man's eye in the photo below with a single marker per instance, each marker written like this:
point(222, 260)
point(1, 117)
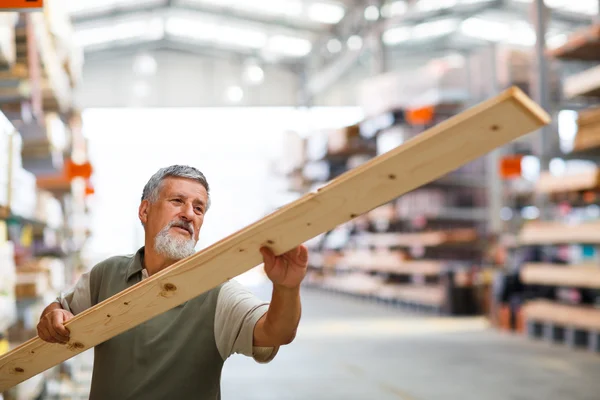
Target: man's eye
point(199, 210)
point(178, 201)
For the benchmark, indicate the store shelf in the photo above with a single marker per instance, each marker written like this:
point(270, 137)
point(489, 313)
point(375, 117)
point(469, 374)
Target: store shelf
point(588, 130)
point(389, 262)
point(580, 276)
point(561, 314)
point(586, 83)
point(587, 180)
point(582, 45)
point(424, 239)
point(551, 232)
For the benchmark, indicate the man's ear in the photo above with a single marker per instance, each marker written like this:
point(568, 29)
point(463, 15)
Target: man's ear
point(143, 211)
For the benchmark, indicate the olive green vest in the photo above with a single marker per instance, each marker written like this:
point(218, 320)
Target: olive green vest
point(171, 356)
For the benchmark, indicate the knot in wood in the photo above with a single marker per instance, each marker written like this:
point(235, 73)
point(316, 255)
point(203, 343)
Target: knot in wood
point(169, 287)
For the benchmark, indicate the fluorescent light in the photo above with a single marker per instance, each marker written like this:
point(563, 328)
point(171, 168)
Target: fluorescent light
point(327, 13)
point(393, 9)
point(372, 13)
point(396, 35)
point(290, 46)
point(211, 32)
point(486, 30)
point(354, 42)
point(186, 27)
point(432, 29)
point(240, 37)
point(128, 29)
point(334, 46)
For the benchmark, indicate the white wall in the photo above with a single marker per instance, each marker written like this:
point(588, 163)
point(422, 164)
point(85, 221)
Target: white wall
point(181, 80)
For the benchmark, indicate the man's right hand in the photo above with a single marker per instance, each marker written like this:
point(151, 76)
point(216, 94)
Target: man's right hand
point(51, 327)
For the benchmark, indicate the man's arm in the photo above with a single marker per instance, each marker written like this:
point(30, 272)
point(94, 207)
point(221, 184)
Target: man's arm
point(51, 325)
point(278, 326)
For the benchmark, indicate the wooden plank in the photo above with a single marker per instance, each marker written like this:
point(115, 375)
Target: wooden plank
point(432, 154)
point(582, 276)
point(581, 45)
point(587, 138)
point(586, 83)
point(583, 317)
point(590, 116)
point(426, 239)
point(587, 180)
point(389, 262)
point(550, 232)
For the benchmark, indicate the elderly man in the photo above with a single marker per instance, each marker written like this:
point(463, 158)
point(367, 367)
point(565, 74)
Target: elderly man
point(180, 353)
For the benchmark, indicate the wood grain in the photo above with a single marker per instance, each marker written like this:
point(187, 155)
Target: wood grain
point(582, 276)
point(427, 157)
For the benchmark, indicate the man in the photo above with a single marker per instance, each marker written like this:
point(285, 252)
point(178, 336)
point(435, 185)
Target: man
point(179, 354)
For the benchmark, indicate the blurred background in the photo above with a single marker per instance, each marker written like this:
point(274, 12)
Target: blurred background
point(484, 284)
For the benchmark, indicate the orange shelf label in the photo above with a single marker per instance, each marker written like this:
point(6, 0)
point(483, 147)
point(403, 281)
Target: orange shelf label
point(21, 4)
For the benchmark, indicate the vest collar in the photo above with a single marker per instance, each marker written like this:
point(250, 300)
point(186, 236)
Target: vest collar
point(137, 263)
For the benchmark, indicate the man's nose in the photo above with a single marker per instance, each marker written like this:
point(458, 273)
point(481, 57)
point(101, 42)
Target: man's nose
point(187, 212)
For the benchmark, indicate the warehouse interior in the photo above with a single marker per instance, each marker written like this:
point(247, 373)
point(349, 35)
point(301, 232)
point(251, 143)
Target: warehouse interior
point(481, 284)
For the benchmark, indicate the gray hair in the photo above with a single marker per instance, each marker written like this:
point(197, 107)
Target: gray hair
point(180, 171)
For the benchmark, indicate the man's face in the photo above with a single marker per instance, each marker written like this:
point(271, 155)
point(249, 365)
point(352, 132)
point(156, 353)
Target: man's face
point(174, 220)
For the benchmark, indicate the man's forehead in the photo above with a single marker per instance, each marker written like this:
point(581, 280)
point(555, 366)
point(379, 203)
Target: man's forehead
point(183, 186)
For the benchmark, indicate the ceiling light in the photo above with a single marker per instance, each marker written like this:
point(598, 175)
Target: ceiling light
point(140, 29)
point(432, 29)
point(486, 30)
point(235, 94)
point(355, 42)
point(186, 27)
point(394, 9)
point(334, 46)
point(254, 74)
point(396, 35)
point(327, 13)
point(371, 13)
point(145, 65)
point(240, 37)
point(291, 46)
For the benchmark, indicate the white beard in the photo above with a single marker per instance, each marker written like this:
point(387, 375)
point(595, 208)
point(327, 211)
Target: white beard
point(172, 246)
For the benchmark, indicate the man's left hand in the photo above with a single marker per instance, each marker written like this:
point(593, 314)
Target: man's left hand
point(287, 270)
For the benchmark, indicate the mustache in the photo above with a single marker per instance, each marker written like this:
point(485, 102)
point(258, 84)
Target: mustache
point(182, 224)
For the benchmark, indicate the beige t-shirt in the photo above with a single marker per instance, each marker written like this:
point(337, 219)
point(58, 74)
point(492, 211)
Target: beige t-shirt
point(238, 311)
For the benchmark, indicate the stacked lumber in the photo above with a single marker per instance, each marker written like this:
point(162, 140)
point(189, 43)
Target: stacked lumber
point(584, 180)
point(588, 130)
point(551, 232)
point(581, 276)
point(586, 83)
point(562, 314)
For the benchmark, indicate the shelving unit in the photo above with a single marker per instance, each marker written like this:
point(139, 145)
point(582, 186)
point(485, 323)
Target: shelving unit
point(424, 250)
point(43, 224)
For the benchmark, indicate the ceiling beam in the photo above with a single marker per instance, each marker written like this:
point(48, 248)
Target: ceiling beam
point(326, 76)
point(212, 10)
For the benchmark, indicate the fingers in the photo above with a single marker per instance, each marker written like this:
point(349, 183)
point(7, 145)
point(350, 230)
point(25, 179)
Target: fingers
point(58, 329)
point(51, 328)
point(44, 334)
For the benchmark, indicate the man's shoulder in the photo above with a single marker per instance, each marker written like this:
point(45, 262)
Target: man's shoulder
point(117, 261)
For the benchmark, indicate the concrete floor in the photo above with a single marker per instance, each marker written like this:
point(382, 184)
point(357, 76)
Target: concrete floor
point(350, 349)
